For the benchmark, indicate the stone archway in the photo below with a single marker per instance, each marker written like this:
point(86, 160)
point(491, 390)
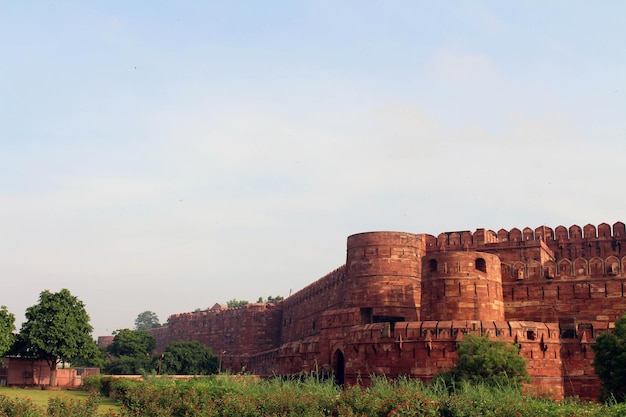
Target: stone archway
point(339, 367)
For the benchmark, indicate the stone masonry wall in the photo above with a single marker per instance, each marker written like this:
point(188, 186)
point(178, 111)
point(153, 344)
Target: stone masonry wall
point(234, 333)
point(303, 310)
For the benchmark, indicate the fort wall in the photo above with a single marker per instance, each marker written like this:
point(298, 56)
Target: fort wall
point(403, 301)
point(586, 300)
point(303, 310)
point(234, 333)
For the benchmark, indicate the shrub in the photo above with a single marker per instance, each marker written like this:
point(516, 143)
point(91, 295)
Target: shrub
point(67, 407)
point(93, 383)
point(17, 407)
point(491, 362)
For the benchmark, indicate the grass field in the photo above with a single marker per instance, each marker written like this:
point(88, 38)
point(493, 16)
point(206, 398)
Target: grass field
point(40, 397)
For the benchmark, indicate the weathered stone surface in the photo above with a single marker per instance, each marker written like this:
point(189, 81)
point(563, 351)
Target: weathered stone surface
point(402, 302)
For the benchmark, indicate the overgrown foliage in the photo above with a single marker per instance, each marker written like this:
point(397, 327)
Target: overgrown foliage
point(610, 361)
point(234, 303)
point(226, 396)
point(188, 358)
point(218, 396)
point(271, 299)
point(490, 362)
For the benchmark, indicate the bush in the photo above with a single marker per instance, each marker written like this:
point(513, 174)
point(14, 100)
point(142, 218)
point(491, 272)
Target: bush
point(67, 407)
point(93, 383)
point(17, 407)
point(485, 361)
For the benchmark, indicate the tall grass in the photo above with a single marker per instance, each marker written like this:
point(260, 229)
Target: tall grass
point(228, 396)
point(216, 397)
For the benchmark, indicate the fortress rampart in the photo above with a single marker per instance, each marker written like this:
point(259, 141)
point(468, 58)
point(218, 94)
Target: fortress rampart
point(402, 301)
point(303, 310)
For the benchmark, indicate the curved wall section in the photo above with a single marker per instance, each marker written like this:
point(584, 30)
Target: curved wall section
point(462, 286)
point(383, 274)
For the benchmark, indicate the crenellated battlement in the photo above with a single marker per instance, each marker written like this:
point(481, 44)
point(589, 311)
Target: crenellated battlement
point(560, 235)
point(329, 282)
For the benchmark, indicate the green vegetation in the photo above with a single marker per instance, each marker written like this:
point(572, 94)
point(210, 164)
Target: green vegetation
point(146, 321)
point(131, 353)
point(56, 330)
point(490, 362)
point(39, 403)
point(236, 303)
point(7, 327)
point(188, 358)
point(610, 361)
point(241, 395)
point(271, 299)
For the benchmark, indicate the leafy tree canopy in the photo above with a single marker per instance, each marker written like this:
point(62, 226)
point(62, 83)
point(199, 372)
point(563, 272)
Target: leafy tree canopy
point(610, 360)
point(493, 362)
point(7, 327)
point(128, 365)
point(236, 303)
point(56, 329)
point(147, 320)
point(189, 358)
point(132, 343)
point(95, 360)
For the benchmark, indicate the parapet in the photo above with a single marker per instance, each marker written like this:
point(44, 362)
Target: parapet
point(575, 233)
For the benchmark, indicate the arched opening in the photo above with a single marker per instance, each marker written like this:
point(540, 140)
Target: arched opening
point(432, 265)
point(480, 264)
point(340, 363)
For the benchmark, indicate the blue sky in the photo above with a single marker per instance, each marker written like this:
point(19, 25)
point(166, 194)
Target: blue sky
point(166, 156)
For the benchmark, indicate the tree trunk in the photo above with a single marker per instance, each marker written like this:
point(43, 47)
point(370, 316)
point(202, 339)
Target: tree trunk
point(53, 374)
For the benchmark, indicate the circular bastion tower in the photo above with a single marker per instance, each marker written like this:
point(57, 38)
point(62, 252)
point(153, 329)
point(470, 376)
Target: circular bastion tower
point(383, 275)
point(462, 286)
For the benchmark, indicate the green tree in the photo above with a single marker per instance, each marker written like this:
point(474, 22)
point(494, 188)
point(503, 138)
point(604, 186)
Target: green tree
point(493, 362)
point(57, 330)
point(131, 351)
point(127, 365)
point(95, 360)
point(132, 343)
point(236, 303)
point(147, 320)
point(189, 358)
point(7, 327)
point(610, 360)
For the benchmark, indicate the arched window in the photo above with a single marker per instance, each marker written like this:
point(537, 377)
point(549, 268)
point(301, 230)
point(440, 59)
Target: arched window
point(432, 265)
point(480, 264)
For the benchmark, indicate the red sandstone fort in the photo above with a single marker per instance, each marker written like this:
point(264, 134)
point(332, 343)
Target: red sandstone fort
point(402, 301)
